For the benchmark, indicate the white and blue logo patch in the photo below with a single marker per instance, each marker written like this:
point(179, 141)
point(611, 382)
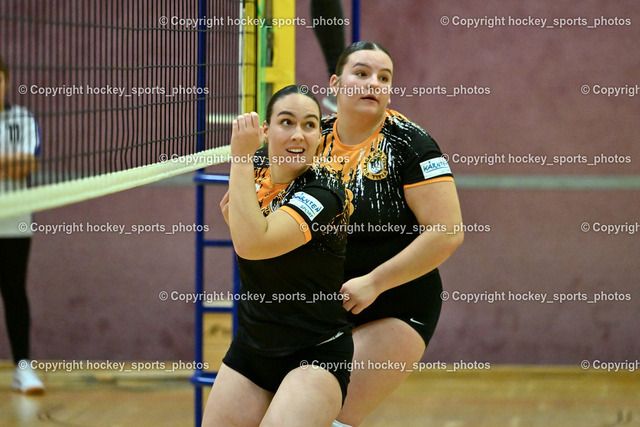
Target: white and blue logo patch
point(435, 167)
point(308, 204)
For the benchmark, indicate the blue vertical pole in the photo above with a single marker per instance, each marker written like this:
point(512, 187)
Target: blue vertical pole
point(355, 25)
point(202, 75)
point(199, 279)
point(200, 145)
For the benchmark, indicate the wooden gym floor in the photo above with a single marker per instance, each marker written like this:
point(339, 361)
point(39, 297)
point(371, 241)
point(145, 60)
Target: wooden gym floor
point(500, 396)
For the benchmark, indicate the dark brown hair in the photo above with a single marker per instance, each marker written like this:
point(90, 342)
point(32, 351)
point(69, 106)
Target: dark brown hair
point(354, 47)
point(289, 90)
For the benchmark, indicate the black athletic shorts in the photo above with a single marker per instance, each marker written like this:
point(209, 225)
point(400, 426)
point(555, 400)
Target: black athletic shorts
point(417, 303)
point(268, 372)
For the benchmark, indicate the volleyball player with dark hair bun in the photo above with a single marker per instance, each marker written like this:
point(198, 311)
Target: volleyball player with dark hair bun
point(406, 222)
point(290, 360)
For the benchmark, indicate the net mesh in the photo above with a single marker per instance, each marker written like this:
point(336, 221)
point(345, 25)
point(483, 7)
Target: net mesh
point(145, 87)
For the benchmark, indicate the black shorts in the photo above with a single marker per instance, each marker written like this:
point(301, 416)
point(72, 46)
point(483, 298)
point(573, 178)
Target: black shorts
point(268, 372)
point(417, 303)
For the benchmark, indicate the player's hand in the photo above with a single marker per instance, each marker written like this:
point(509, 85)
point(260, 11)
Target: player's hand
point(224, 207)
point(247, 135)
point(358, 293)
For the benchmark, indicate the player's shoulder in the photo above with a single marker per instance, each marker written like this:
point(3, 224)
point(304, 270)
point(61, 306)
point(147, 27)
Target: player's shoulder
point(327, 123)
point(407, 132)
point(261, 158)
point(13, 111)
point(320, 177)
point(322, 174)
point(402, 124)
point(17, 109)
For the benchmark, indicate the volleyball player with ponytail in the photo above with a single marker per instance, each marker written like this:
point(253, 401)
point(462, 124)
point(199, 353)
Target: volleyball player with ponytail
point(406, 222)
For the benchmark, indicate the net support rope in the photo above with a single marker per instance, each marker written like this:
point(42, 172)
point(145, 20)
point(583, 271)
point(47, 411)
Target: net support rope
point(52, 196)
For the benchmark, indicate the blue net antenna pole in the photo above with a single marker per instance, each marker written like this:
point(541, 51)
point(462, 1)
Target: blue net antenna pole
point(355, 24)
point(200, 143)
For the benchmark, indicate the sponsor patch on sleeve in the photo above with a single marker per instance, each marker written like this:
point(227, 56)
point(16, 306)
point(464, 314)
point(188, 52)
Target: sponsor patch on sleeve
point(308, 204)
point(435, 167)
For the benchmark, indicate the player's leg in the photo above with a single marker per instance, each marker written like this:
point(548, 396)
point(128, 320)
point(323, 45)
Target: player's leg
point(14, 259)
point(307, 396)
point(235, 401)
point(327, 17)
point(383, 340)
point(14, 255)
point(327, 20)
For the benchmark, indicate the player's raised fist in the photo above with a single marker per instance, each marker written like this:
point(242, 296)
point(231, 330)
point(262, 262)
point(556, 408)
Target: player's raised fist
point(247, 135)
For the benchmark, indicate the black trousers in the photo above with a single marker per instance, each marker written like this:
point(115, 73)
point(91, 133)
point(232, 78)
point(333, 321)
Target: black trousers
point(14, 257)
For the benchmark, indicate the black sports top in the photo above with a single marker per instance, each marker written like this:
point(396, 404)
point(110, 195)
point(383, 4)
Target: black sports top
point(292, 301)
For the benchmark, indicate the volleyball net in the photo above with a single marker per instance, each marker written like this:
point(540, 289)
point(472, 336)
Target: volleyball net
point(124, 93)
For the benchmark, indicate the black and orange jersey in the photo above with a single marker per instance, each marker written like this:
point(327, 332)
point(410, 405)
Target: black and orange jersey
point(399, 155)
point(293, 301)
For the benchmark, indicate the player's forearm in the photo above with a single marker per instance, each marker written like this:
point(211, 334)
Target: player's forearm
point(17, 165)
point(427, 252)
point(246, 222)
